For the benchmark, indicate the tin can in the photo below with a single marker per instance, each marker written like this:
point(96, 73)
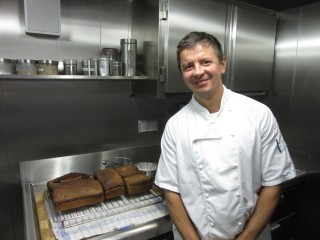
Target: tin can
point(70, 66)
point(90, 67)
point(116, 68)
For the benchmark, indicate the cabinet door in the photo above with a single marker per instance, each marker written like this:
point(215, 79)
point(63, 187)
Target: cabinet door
point(182, 18)
point(251, 50)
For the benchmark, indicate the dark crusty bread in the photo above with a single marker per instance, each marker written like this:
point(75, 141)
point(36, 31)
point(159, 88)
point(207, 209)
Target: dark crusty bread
point(128, 170)
point(111, 182)
point(137, 184)
point(67, 178)
point(77, 193)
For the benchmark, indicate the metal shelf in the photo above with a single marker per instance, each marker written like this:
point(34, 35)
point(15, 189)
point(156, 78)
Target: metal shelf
point(76, 77)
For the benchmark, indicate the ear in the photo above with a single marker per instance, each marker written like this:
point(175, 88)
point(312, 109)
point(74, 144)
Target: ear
point(223, 64)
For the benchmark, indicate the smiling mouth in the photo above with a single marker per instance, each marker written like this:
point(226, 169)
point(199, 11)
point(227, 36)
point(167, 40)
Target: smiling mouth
point(200, 81)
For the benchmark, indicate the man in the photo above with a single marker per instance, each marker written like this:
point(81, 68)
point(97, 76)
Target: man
point(223, 157)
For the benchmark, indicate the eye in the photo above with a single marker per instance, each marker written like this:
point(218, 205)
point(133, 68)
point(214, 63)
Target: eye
point(187, 67)
point(206, 62)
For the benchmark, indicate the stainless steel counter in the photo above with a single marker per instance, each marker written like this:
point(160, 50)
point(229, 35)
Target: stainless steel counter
point(35, 174)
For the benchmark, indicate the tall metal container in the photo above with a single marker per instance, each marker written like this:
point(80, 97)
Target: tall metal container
point(129, 55)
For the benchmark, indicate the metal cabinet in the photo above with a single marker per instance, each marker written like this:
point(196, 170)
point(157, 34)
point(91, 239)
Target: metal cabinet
point(250, 49)
point(286, 220)
point(175, 19)
point(247, 35)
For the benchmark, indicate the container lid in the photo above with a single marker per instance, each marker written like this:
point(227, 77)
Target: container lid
point(5, 60)
point(109, 51)
point(115, 63)
point(128, 40)
point(102, 59)
point(70, 61)
point(89, 62)
point(150, 43)
point(49, 62)
point(26, 61)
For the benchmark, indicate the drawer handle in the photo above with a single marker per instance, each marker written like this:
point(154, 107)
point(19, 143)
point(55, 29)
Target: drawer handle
point(275, 226)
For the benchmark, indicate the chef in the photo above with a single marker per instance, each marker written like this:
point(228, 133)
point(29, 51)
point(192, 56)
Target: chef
point(223, 157)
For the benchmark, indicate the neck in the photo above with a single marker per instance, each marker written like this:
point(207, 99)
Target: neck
point(211, 102)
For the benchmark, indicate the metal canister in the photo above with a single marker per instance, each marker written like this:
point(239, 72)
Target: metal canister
point(90, 67)
point(26, 67)
point(70, 66)
point(116, 68)
point(48, 67)
point(129, 55)
point(5, 66)
point(150, 58)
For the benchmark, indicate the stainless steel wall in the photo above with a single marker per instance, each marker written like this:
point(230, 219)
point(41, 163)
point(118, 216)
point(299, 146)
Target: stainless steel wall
point(86, 27)
point(49, 118)
point(295, 99)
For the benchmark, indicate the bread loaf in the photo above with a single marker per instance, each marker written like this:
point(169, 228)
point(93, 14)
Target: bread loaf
point(77, 193)
point(111, 182)
point(128, 170)
point(137, 184)
point(67, 178)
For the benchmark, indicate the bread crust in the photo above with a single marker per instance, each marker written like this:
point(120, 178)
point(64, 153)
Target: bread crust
point(67, 178)
point(128, 170)
point(77, 193)
point(137, 184)
point(111, 181)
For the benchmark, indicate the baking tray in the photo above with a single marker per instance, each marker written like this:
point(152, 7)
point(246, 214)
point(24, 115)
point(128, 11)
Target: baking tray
point(104, 209)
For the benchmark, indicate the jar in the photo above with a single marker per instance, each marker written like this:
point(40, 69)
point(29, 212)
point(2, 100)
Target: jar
point(90, 67)
point(110, 53)
point(116, 68)
point(70, 66)
point(48, 67)
point(103, 65)
point(129, 55)
point(150, 58)
point(26, 67)
point(5, 66)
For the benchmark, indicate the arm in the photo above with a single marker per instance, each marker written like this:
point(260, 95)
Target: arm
point(266, 204)
point(180, 216)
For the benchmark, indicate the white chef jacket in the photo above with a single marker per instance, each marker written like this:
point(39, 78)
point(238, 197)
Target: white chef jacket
point(218, 162)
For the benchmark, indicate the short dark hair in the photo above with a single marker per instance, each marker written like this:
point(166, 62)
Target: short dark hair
point(202, 38)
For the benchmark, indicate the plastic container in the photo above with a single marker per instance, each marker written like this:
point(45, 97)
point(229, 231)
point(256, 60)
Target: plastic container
point(48, 67)
point(148, 167)
point(26, 67)
point(70, 66)
point(104, 66)
point(5, 66)
point(129, 56)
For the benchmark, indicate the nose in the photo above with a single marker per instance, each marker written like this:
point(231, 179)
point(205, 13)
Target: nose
point(198, 70)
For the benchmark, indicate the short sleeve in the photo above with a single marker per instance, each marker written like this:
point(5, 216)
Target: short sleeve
point(166, 176)
point(277, 165)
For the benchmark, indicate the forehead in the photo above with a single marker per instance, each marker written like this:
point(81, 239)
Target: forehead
point(199, 50)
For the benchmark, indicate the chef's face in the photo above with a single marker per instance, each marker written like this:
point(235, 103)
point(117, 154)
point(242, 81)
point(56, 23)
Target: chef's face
point(202, 70)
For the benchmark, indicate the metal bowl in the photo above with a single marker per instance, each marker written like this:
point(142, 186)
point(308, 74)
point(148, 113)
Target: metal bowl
point(148, 167)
